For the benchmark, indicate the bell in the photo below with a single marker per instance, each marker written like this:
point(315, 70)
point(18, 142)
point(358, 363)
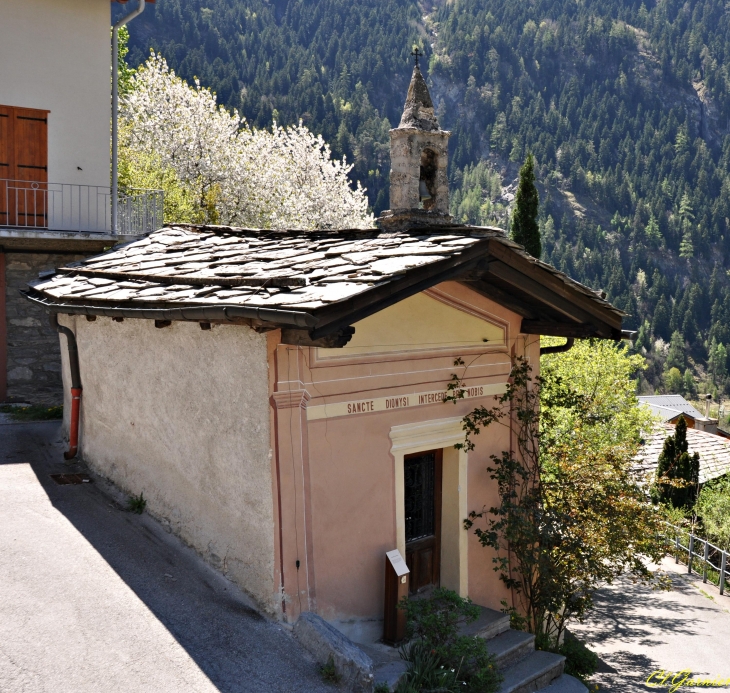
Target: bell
point(423, 193)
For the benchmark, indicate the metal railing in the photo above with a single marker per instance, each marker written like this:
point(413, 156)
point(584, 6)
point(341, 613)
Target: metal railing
point(712, 558)
point(83, 208)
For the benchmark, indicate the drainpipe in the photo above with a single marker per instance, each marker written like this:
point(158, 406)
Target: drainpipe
point(73, 362)
point(115, 110)
point(558, 349)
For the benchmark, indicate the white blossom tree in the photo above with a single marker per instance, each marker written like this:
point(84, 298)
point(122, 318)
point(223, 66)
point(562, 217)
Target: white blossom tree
point(217, 169)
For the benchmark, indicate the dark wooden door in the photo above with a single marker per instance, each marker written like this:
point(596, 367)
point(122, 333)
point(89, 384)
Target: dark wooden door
point(423, 518)
point(23, 167)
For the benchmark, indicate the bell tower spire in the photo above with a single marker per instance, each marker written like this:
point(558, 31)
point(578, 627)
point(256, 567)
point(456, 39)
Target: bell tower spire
point(419, 187)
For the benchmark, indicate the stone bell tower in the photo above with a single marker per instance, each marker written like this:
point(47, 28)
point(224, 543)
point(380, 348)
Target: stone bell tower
point(419, 187)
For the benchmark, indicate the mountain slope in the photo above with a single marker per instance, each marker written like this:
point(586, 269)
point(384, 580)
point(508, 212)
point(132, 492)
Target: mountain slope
point(625, 106)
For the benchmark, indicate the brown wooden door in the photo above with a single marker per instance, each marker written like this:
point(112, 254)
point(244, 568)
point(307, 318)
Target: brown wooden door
point(23, 167)
point(422, 476)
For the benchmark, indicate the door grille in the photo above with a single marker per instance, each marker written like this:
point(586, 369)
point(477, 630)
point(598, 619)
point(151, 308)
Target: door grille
point(419, 496)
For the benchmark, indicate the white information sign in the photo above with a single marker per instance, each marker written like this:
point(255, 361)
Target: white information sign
point(416, 399)
point(396, 560)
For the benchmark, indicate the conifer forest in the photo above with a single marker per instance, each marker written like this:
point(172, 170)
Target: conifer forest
point(624, 105)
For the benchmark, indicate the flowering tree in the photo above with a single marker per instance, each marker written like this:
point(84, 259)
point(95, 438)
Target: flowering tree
point(220, 170)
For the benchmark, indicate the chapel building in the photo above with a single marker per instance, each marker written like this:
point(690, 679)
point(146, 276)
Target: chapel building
point(278, 395)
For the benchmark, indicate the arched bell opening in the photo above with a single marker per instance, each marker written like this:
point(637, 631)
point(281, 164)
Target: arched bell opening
point(427, 179)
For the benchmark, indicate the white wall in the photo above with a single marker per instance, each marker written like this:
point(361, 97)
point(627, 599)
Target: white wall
point(182, 415)
point(56, 55)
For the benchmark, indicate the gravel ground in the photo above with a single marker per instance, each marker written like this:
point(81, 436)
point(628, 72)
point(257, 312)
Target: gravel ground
point(97, 599)
point(637, 631)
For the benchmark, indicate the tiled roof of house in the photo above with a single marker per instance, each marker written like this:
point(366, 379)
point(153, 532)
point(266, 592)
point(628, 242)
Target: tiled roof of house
point(304, 272)
point(714, 451)
point(668, 407)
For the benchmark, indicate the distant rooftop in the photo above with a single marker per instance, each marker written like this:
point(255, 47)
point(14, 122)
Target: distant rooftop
point(669, 407)
point(714, 451)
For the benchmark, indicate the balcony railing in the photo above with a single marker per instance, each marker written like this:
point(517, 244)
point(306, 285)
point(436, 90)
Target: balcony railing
point(83, 208)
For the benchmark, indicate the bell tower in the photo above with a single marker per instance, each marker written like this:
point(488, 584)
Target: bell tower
point(419, 187)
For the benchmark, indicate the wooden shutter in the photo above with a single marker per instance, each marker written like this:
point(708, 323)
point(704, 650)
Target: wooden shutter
point(7, 159)
point(23, 166)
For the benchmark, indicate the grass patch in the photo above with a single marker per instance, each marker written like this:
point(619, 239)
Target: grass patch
point(704, 594)
point(33, 412)
point(328, 672)
point(136, 504)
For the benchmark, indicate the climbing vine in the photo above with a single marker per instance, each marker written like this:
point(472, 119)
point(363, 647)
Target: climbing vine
point(571, 514)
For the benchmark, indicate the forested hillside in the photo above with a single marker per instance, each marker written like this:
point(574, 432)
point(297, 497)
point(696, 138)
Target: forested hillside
point(625, 106)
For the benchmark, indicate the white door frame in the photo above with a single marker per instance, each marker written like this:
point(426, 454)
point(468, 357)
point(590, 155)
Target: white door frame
point(432, 435)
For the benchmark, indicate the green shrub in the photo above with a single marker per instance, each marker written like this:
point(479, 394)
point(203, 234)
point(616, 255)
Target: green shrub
point(713, 507)
point(438, 651)
point(427, 672)
point(579, 660)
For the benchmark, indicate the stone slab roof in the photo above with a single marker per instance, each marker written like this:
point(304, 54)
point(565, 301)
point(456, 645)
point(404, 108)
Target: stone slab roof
point(714, 451)
point(302, 278)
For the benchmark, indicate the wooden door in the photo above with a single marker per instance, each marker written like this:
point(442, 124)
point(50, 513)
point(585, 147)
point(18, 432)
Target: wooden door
point(422, 475)
point(23, 167)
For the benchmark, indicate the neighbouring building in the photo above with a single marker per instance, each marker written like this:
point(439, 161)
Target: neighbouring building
point(714, 451)
point(668, 408)
point(278, 395)
point(54, 171)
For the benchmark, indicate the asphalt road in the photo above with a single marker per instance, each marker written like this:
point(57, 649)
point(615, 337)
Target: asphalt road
point(96, 599)
point(637, 631)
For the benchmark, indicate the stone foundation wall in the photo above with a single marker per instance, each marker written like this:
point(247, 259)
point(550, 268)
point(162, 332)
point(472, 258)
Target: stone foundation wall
point(34, 360)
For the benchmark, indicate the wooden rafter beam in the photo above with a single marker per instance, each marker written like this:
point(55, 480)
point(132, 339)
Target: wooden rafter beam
point(554, 284)
point(550, 328)
point(541, 294)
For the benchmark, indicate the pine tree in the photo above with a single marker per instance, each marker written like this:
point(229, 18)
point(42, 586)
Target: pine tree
point(675, 355)
point(662, 317)
point(688, 383)
point(677, 465)
point(525, 229)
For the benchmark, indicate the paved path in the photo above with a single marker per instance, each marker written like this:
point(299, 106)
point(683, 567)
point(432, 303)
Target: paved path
point(636, 631)
point(95, 599)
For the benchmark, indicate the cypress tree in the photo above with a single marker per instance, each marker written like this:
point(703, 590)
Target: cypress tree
point(677, 464)
point(525, 229)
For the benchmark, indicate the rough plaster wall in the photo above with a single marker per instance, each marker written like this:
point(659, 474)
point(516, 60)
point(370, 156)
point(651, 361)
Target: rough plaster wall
point(182, 415)
point(34, 364)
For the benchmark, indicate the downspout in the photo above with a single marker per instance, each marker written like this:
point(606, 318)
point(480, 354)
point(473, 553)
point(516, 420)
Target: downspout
point(73, 362)
point(115, 110)
point(561, 348)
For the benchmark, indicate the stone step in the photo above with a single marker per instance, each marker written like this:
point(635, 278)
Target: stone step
point(389, 673)
point(534, 672)
point(565, 684)
point(489, 624)
point(511, 646)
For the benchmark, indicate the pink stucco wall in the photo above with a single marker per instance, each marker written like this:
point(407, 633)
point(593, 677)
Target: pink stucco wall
point(334, 477)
